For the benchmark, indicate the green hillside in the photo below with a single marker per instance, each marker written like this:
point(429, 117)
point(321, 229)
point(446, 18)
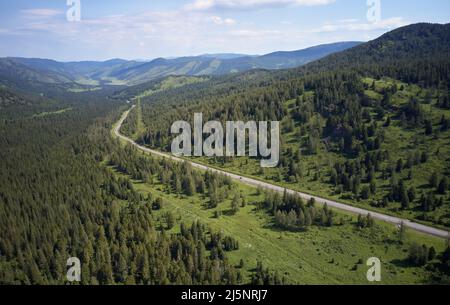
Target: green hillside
point(368, 127)
point(374, 136)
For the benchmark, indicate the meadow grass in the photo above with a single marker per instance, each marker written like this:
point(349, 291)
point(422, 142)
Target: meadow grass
point(335, 255)
point(44, 114)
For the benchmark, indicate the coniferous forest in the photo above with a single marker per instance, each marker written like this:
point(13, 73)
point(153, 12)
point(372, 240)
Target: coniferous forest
point(368, 127)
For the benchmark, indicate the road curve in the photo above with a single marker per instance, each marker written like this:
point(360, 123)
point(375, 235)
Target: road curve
point(253, 182)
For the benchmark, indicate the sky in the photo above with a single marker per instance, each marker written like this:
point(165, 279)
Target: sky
point(148, 29)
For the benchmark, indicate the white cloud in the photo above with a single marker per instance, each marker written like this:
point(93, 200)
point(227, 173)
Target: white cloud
point(252, 34)
point(220, 21)
point(203, 5)
point(178, 32)
point(41, 13)
point(348, 20)
point(354, 25)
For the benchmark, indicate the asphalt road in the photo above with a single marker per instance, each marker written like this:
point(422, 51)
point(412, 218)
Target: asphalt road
point(253, 182)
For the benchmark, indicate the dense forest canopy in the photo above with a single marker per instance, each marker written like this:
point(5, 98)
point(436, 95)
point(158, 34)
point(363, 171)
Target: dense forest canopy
point(59, 201)
point(369, 125)
point(340, 116)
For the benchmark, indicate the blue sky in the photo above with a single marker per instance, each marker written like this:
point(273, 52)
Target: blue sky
point(138, 29)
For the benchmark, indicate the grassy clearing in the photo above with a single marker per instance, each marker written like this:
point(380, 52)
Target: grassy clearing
point(114, 81)
point(172, 82)
point(139, 123)
point(87, 82)
point(334, 255)
point(79, 90)
point(44, 114)
point(317, 256)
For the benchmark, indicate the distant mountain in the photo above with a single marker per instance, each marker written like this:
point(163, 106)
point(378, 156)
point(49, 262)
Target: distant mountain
point(285, 60)
point(72, 70)
point(38, 72)
point(220, 64)
point(227, 55)
point(36, 77)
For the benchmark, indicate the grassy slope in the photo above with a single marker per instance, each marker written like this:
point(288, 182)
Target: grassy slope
point(173, 82)
point(133, 125)
point(44, 114)
point(399, 141)
point(318, 256)
point(139, 124)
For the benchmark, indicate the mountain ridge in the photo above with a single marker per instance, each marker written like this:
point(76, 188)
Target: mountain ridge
point(135, 72)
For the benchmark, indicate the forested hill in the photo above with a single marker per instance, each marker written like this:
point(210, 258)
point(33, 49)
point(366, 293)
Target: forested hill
point(368, 126)
point(420, 48)
point(58, 200)
point(412, 53)
point(418, 52)
point(205, 65)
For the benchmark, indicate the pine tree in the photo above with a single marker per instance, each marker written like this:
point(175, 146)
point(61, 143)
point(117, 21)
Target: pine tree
point(170, 220)
point(428, 127)
point(373, 187)
point(365, 193)
point(443, 186)
point(241, 264)
point(235, 204)
point(189, 185)
point(412, 193)
point(433, 180)
point(404, 199)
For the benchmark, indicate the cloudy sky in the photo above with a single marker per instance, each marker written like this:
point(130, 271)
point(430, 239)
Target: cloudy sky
point(146, 29)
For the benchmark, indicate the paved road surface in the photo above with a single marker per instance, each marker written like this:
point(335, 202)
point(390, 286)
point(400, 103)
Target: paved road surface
point(253, 182)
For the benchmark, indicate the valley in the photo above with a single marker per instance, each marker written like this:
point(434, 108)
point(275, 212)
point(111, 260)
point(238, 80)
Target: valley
point(315, 256)
point(91, 75)
point(87, 170)
point(377, 143)
point(273, 187)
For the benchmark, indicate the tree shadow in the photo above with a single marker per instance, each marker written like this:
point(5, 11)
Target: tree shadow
point(402, 263)
point(228, 212)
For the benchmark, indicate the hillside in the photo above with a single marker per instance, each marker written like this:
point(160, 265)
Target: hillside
point(133, 222)
point(286, 60)
point(360, 127)
point(367, 126)
point(40, 77)
point(18, 74)
point(421, 43)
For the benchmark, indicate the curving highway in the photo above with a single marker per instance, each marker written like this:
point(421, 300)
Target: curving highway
point(253, 182)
